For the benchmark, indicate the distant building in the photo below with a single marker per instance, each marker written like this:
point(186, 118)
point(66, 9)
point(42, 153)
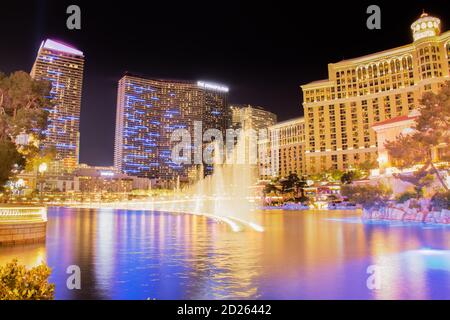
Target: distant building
point(107, 179)
point(148, 112)
point(47, 182)
point(390, 130)
point(85, 179)
point(341, 110)
point(62, 66)
point(265, 158)
point(282, 152)
point(254, 122)
point(251, 117)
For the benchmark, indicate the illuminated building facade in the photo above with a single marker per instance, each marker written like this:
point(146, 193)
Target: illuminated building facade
point(149, 110)
point(107, 179)
point(341, 110)
point(389, 130)
point(62, 66)
point(283, 152)
point(249, 117)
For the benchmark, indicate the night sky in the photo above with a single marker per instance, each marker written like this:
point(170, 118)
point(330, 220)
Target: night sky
point(262, 50)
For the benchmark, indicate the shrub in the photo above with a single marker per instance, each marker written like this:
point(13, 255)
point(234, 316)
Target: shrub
point(405, 196)
point(19, 283)
point(302, 199)
point(441, 200)
point(368, 196)
point(348, 177)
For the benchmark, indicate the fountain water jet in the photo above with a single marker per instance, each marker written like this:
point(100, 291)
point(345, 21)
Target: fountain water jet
point(227, 194)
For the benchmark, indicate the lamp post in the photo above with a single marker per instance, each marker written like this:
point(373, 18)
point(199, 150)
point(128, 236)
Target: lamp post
point(20, 184)
point(42, 169)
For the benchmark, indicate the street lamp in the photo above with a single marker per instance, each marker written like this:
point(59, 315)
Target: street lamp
point(42, 169)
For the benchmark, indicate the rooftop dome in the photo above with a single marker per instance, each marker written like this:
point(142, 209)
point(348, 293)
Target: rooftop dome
point(426, 26)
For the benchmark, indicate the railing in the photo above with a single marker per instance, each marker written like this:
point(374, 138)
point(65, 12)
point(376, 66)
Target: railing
point(8, 214)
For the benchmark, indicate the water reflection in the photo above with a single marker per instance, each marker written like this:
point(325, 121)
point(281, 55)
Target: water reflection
point(301, 255)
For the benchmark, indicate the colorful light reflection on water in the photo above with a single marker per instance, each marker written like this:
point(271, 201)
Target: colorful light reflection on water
point(301, 255)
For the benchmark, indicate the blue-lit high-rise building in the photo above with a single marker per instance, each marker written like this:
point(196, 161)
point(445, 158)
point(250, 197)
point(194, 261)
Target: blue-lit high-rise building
point(149, 110)
point(63, 66)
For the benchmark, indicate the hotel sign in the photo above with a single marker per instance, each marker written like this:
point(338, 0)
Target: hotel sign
point(212, 86)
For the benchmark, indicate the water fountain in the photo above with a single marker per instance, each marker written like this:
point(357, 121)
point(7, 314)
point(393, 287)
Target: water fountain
point(226, 195)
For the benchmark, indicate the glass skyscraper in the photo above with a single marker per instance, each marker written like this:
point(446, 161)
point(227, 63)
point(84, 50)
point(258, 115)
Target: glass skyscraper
point(62, 65)
point(149, 110)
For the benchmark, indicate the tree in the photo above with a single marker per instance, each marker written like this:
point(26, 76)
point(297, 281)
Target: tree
point(19, 283)
point(288, 184)
point(441, 200)
point(41, 156)
point(11, 161)
point(22, 103)
point(22, 111)
point(318, 176)
point(301, 185)
point(348, 177)
point(368, 196)
point(270, 188)
point(358, 172)
point(431, 129)
point(363, 169)
point(330, 175)
point(334, 175)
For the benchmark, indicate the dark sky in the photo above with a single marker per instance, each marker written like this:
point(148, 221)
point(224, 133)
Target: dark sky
point(262, 50)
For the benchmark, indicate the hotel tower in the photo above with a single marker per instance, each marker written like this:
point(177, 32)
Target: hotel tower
point(248, 117)
point(149, 110)
point(341, 110)
point(282, 152)
point(62, 66)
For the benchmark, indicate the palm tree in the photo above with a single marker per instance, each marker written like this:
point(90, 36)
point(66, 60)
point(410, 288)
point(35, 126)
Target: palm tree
point(269, 188)
point(301, 184)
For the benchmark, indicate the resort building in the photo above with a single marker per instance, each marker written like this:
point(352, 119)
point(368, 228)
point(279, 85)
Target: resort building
point(341, 110)
point(282, 152)
point(254, 121)
point(148, 112)
point(265, 158)
point(390, 130)
point(62, 66)
point(84, 179)
point(248, 117)
point(107, 179)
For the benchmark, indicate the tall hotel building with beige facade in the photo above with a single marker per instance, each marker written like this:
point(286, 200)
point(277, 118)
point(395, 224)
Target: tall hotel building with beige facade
point(148, 112)
point(341, 110)
point(62, 66)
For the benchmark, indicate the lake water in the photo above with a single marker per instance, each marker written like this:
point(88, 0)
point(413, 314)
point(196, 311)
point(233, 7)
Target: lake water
point(301, 255)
